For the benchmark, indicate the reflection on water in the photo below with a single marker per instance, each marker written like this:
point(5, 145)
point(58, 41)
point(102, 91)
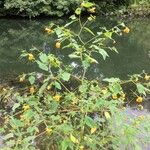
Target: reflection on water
point(133, 57)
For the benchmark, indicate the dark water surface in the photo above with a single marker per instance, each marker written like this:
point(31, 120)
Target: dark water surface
point(133, 57)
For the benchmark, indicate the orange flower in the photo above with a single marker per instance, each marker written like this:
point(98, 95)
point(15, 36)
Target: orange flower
point(114, 96)
point(30, 57)
point(48, 30)
point(58, 44)
point(26, 107)
point(139, 99)
point(48, 130)
point(147, 77)
point(93, 130)
point(92, 10)
point(57, 98)
point(126, 30)
point(32, 90)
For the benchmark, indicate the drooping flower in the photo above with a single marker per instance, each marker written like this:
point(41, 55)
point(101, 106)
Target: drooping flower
point(107, 115)
point(93, 130)
point(114, 96)
point(92, 10)
point(32, 90)
point(48, 30)
point(126, 30)
point(57, 98)
point(147, 77)
point(26, 107)
point(58, 45)
point(139, 99)
point(48, 130)
point(30, 57)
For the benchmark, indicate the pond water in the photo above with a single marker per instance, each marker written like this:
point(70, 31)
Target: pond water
point(133, 57)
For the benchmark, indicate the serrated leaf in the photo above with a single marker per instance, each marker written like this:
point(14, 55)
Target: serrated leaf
point(15, 106)
point(111, 80)
point(89, 122)
point(101, 51)
point(73, 139)
point(64, 144)
point(42, 66)
point(65, 76)
point(43, 87)
point(57, 85)
point(78, 11)
point(8, 136)
point(87, 4)
point(88, 30)
point(43, 58)
point(108, 34)
point(73, 56)
point(32, 80)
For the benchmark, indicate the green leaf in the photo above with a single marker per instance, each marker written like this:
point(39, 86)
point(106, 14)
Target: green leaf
point(87, 4)
point(8, 136)
point(73, 56)
point(101, 51)
point(89, 122)
point(65, 144)
point(32, 80)
point(42, 66)
point(57, 85)
point(15, 106)
point(87, 29)
point(43, 87)
point(108, 34)
point(43, 58)
point(141, 89)
point(78, 11)
point(65, 76)
point(111, 80)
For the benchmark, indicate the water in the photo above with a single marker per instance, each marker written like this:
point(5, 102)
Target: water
point(133, 57)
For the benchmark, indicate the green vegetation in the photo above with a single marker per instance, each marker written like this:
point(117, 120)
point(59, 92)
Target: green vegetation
point(57, 109)
point(59, 8)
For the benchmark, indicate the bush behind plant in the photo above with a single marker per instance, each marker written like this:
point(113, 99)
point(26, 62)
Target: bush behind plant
point(59, 109)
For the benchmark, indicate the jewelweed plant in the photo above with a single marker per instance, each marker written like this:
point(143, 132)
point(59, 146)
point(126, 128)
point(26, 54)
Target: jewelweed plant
point(62, 110)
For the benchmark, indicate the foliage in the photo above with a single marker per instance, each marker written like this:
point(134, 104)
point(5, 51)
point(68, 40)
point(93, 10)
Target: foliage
point(62, 110)
point(35, 8)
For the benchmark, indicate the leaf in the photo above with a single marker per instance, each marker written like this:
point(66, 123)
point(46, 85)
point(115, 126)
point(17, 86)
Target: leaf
point(43, 87)
point(42, 66)
point(101, 51)
point(111, 80)
point(65, 144)
point(57, 85)
point(43, 58)
point(141, 89)
point(87, 29)
point(87, 4)
point(8, 136)
point(108, 34)
point(78, 11)
point(73, 139)
point(15, 106)
point(73, 56)
point(89, 122)
point(31, 79)
point(65, 76)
